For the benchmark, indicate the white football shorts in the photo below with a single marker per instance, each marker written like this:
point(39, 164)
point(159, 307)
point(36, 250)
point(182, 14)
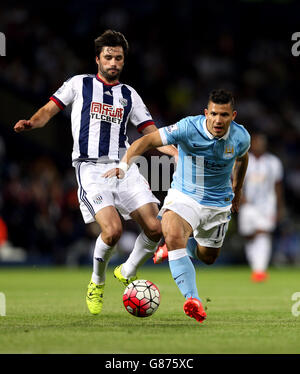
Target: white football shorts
point(209, 223)
point(252, 218)
point(96, 192)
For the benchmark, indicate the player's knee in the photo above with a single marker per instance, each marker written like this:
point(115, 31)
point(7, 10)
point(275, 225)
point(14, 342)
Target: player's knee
point(112, 235)
point(173, 241)
point(153, 230)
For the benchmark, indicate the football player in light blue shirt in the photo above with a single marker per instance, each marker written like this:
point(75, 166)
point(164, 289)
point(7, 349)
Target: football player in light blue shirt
point(206, 187)
point(205, 162)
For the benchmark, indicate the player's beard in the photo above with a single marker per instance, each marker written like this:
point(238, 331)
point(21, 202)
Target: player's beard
point(108, 76)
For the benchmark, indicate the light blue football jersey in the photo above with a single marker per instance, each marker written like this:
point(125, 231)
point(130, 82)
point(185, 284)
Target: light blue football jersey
point(205, 162)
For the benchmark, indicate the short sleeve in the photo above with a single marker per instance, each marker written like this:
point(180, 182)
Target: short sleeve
point(175, 133)
point(140, 116)
point(64, 95)
point(244, 143)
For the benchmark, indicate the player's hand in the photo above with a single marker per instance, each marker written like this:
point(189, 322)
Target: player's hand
point(23, 125)
point(236, 202)
point(116, 172)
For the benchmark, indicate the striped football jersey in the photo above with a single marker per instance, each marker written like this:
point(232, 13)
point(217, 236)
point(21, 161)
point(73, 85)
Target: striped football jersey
point(100, 114)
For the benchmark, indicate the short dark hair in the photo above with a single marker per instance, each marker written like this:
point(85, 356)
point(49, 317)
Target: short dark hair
point(111, 38)
point(221, 96)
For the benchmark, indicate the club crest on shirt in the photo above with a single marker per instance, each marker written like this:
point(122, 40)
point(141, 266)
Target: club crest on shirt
point(97, 199)
point(228, 151)
point(123, 101)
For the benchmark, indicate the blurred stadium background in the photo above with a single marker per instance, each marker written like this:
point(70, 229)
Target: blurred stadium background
point(180, 50)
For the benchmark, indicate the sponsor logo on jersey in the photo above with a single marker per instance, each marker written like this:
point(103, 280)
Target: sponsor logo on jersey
point(106, 112)
point(172, 128)
point(212, 165)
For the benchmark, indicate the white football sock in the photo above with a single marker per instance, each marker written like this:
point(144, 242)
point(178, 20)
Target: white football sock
point(143, 249)
point(102, 255)
point(258, 252)
point(177, 253)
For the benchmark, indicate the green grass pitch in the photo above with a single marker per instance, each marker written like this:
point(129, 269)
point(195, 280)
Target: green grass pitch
point(46, 313)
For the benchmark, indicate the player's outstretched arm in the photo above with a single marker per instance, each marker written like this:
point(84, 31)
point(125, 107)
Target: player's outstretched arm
point(39, 119)
point(169, 150)
point(137, 148)
point(239, 172)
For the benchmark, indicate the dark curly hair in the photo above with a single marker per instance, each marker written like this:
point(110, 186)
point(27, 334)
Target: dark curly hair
point(221, 96)
point(111, 38)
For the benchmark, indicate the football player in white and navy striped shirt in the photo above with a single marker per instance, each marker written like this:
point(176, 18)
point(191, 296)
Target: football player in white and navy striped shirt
point(102, 108)
point(100, 114)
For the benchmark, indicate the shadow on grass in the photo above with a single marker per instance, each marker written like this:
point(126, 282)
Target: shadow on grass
point(111, 323)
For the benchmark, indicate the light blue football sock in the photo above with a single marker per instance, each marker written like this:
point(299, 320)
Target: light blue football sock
point(191, 248)
point(183, 272)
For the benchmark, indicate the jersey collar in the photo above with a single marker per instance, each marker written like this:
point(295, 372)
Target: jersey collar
point(106, 84)
point(210, 136)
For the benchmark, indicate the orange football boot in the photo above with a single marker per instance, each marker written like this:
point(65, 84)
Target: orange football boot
point(259, 276)
point(161, 254)
point(194, 309)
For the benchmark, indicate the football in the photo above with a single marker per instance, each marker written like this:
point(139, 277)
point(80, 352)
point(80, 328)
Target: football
point(141, 298)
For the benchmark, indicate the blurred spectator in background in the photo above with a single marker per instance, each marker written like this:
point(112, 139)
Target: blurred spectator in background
point(263, 206)
point(40, 208)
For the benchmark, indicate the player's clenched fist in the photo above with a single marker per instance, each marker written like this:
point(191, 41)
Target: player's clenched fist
point(23, 125)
